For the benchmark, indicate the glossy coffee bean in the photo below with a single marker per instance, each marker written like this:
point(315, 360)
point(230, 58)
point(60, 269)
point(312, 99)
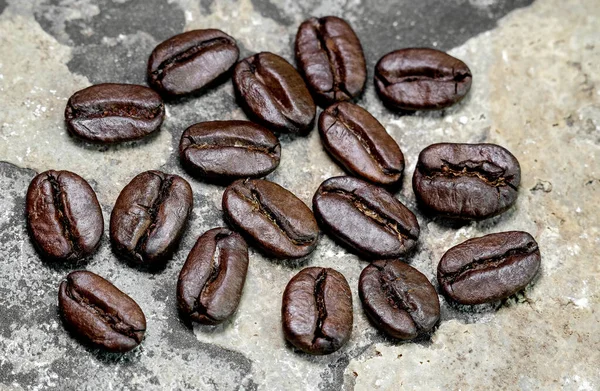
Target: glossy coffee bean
point(229, 150)
point(274, 219)
point(109, 113)
point(149, 217)
point(211, 281)
point(466, 181)
point(366, 218)
point(489, 268)
point(421, 79)
point(330, 57)
point(273, 93)
point(317, 310)
point(63, 215)
point(398, 299)
point(97, 312)
point(191, 61)
point(360, 144)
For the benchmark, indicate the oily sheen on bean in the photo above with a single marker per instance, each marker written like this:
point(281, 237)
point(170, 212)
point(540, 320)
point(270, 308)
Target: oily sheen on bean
point(489, 268)
point(210, 283)
point(273, 218)
point(191, 61)
point(317, 311)
point(63, 215)
point(273, 94)
point(229, 150)
point(466, 181)
point(366, 218)
point(109, 113)
point(99, 313)
point(360, 144)
point(398, 299)
point(421, 79)
point(330, 57)
point(149, 217)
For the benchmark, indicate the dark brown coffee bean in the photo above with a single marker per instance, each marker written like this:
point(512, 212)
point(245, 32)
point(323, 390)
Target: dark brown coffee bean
point(489, 268)
point(361, 145)
point(229, 149)
point(190, 61)
point(97, 312)
point(277, 221)
point(466, 181)
point(149, 217)
point(398, 299)
point(211, 281)
point(108, 113)
point(64, 216)
point(317, 310)
point(421, 79)
point(273, 93)
point(331, 58)
point(366, 218)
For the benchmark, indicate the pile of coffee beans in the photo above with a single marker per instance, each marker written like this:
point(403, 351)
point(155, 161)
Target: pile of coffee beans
point(360, 212)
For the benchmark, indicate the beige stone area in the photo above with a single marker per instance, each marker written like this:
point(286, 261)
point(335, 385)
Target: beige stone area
point(35, 85)
point(544, 104)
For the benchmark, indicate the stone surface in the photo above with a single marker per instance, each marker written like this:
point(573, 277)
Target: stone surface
point(535, 91)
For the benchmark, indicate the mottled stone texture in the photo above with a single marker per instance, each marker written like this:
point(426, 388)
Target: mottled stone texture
point(535, 91)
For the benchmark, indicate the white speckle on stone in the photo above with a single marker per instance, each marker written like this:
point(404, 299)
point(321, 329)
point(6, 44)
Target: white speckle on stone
point(395, 24)
point(435, 44)
point(578, 210)
point(463, 120)
point(505, 56)
point(188, 16)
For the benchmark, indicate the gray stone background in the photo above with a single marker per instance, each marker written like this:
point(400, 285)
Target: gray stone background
point(536, 70)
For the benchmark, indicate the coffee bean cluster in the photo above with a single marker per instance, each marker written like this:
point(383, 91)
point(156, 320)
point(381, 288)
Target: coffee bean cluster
point(457, 181)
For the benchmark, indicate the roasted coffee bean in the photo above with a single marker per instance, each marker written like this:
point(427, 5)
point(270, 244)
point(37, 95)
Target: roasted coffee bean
point(398, 299)
point(211, 281)
point(489, 268)
point(149, 217)
point(366, 218)
point(466, 181)
point(109, 113)
point(317, 310)
point(229, 149)
point(190, 61)
point(421, 79)
point(361, 145)
point(273, 93)
point(64, 216)
point(277, 221)
point(331, 58)
point(97, 312)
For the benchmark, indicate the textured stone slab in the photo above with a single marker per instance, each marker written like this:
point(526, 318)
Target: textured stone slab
point(535, 91)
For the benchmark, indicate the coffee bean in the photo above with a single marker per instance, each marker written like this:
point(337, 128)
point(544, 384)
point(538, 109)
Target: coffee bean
point(229, 149)
point(361, 145)
point(366, 218)
point(274, 219)
point(109, 113)
point(211, 281)
point(317, 310)
point(97, 312)
point(273, 93)
point(63, 215)
point(149, 217)
point(331, 58)
point(421, 79)
point(398, 299)
point(466, 181)
point(191, 61)
point(489, 268)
